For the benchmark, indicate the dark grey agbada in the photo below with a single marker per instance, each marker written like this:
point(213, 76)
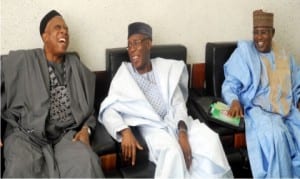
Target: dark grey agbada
point(25, 106)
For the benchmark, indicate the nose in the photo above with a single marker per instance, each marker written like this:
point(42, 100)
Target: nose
point(259, 36)
point(64, 30)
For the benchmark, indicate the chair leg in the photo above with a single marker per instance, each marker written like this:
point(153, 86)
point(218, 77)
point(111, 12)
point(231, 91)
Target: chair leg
point(239, 140)
point(108, 162)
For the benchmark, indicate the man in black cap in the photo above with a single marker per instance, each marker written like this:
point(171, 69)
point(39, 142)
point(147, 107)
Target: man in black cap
point(151, 94)
point(47, 101)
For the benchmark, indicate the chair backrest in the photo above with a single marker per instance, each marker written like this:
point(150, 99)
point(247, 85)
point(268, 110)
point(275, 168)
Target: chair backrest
point(216, 54)
point(115, 56)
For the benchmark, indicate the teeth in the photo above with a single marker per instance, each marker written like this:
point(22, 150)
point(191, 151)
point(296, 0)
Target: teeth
point(260, 43)
point(62, 40)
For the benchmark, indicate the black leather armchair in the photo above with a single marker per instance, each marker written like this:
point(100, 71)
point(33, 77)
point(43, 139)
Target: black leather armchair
point(216, 54)
point(232, 138)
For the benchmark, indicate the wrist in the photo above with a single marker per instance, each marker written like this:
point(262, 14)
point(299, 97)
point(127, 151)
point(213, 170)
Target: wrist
point(125, 131)
point(181, 131)
point(88, 129)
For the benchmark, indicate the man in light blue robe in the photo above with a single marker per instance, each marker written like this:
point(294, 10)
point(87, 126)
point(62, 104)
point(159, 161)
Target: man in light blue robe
point(262, 84)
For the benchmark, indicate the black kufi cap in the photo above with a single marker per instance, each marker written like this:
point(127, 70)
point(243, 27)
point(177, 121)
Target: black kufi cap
point(46, 19)
point(140, 28)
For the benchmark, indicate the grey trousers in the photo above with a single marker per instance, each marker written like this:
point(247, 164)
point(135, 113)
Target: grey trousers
point(71, 159)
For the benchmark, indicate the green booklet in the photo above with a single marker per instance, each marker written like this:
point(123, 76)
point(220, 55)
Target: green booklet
point(219, 111)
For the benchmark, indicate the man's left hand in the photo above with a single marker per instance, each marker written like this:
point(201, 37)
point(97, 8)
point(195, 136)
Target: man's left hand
point(185, 147)
point(83, 136)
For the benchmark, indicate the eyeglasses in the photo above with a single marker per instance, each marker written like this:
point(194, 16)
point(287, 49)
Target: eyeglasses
point(136, 44)
point(262, 32)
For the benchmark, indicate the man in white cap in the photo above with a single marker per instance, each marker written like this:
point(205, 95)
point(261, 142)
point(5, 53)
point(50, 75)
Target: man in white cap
point(262, 83)
point(152, 94)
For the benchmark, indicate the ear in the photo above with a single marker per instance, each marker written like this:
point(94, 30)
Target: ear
point(149, 44)
point(273, 32)
point(44, 37)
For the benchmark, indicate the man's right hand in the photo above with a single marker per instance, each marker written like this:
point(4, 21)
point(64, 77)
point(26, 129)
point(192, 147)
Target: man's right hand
point(235, 109)
point(129, 145)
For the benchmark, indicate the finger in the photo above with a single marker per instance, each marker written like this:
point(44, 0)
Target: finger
point(127, 152)
point(190, 158)
point(75, 138)
point(234, 113)
point(85, 141)
point(139, 146)
point(229, 113)
point(124, 151)
point(189, 163)
point(133, 155)
point(241, 113)
point(237, 113)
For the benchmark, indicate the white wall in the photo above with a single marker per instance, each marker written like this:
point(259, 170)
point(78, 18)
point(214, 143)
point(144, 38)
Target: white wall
point(99, 24)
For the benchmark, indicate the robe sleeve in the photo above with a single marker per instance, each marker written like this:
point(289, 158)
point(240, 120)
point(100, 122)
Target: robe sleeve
point(295, 74)
point(179, 98)
point(3, 98)
point(179, 105)
point(236, 74)
point(113, 122)
point(11, 97)
point(3, 102)
point(91, 122)
point(85, 86)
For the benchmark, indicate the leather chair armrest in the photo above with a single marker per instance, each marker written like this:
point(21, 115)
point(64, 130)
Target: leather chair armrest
point(143, 167)
point(102, 142)
point(203, 106)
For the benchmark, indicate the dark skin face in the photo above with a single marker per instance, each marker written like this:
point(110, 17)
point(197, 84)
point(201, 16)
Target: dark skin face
point(56, 39)
point(139, 47)
point(262, 37)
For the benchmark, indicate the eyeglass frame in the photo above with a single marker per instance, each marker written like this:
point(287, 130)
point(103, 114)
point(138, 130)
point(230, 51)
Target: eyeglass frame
point(136, 43)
